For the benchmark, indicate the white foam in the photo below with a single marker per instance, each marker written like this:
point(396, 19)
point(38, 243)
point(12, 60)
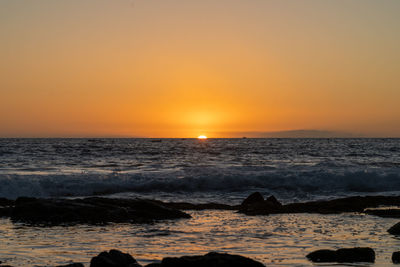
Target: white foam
point(300, 183)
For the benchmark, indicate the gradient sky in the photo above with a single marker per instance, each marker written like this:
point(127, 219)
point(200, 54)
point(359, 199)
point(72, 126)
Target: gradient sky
point(179, 68)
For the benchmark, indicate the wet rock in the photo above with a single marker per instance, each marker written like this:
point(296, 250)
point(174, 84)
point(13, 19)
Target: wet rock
point(348, 204)
point(343, 255)
point(5, 211)
point(212, 259)
point(4, 202)
point(323, 255)
point(395, 229)
point(385, 213)
point(396, 257)
point(356, 255)
point(72, 265)
point(5, 207)
point(254, 198)
point(204, 206)
point(94, 210)
point(274, 201)
point(114, 258)
point(255, 205)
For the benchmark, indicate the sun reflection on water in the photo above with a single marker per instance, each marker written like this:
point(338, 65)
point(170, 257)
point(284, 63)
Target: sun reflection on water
point(281, 240)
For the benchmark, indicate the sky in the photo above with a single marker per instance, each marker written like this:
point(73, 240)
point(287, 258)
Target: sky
point(179, 68)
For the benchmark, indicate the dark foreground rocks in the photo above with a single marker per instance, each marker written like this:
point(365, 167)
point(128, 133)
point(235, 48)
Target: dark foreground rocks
point(253, 199)
point(97, 210)
point(72, 265)
point(92, 210)
point(396, 257)
point(254, 205)
point(395, 229)
point(114, 258)
point(343, 255)
point(385, 213)
point(212, 259)
point(203, 206)
point(4, 202)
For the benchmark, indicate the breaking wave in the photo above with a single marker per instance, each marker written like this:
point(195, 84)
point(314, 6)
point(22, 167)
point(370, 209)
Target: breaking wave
point(298, 183)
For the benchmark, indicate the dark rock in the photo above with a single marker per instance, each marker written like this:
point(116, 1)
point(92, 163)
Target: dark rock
point(274, 201)
point(4, 202)
point(5, 207)
point(343, 255)
point(5, 212)
point(396, 257)
point(323, 255)
point(113, 258)
point(395, 229)
point(254, 198)
point(92, 210)
point(204, 206)
point(72, 265)
point(348, 204)
point(356, 255)
point(212, 259)
point(385, 213)
point(253, 205)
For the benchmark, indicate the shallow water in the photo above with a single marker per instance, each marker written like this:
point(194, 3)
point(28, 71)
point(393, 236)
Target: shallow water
point(276, 240)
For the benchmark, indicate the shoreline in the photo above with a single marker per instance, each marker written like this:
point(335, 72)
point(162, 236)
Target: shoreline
point(100, 210)
point(170, 230)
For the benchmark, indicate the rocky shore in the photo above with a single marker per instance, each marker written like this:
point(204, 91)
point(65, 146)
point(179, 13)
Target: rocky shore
point(93, 210)
point(255, 204)
point(212, 259)
point(116, 258)
point(98, 210)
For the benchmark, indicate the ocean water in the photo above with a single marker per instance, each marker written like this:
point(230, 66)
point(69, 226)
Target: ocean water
point(197, 171)
point(224, 170)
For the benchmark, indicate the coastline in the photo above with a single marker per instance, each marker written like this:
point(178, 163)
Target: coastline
point(282, 239)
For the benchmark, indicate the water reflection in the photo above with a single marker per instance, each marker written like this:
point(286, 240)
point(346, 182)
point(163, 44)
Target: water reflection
point(274, 240)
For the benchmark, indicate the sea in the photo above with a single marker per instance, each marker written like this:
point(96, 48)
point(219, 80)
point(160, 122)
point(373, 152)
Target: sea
point(200, 171)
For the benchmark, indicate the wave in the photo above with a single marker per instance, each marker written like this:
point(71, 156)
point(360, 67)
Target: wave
point(203, 179)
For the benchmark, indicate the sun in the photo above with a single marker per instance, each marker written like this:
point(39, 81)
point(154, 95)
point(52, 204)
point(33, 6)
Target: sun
point(202, 137)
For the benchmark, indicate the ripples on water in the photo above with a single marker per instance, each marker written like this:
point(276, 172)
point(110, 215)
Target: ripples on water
point(276, 240)
point(292, 169)
point(219, 170)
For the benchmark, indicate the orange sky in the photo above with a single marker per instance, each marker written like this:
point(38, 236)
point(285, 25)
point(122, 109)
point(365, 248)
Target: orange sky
point(169, 68)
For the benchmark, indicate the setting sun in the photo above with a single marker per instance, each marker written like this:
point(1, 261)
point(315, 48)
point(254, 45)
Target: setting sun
point(202, 137)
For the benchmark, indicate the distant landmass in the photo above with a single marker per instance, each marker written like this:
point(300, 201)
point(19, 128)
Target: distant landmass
point(300, 134)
